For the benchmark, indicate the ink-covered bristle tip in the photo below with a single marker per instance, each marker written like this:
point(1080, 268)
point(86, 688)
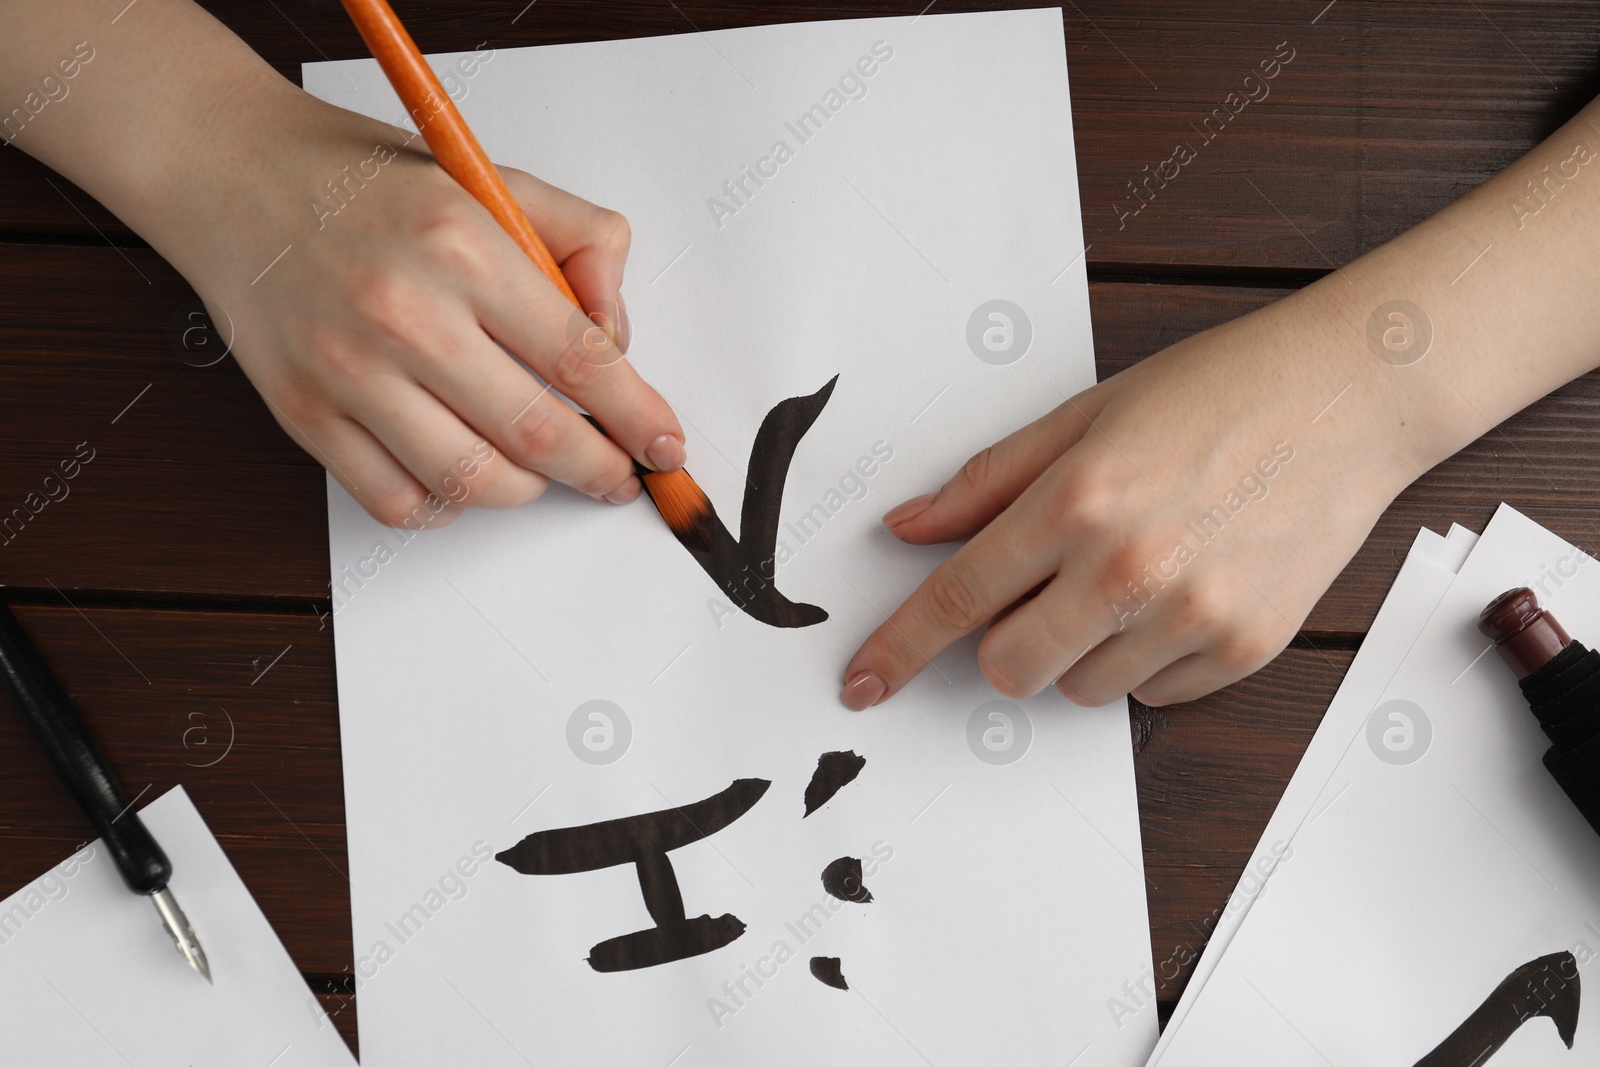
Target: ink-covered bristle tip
point(683, 504)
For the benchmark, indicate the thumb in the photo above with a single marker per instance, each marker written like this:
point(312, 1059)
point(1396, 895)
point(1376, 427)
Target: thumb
point(988, 482)
point(595, 274)
point(591, 244)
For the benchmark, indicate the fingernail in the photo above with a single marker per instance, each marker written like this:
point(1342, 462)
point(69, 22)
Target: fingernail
point(624, 325)
point(627, 493)
point(910, 509)
point(863, 690)
point(665, 453)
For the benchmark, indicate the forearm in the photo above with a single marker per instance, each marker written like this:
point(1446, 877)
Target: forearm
point(1506, 280)
point(151, 107)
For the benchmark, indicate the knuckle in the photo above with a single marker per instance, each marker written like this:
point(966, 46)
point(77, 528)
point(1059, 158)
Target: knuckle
point(345, 369)
point(395, 509)
point(502, 489)
point(488, 490)
point(997, 670)
point(612, 231)
point(456, 489)
point(298, 402)
point(457, 244)
point(1156, 697)
point(977, 477)
point(974, 473)
point(538, 437)
point(1134, 568)
point(1250, 649)
point(583, 357)
point(519, 181)
point(382, 298)
point(616, 470)
point(952, 601)
point(1088, 501)
point(1205, 605)
point(1072, 689)
point(394, 315)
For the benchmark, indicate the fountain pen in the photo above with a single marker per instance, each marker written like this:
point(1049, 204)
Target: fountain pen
point(83, 767)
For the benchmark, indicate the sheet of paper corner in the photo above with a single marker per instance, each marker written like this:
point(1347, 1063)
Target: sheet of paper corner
point(1429, 567)
point(1554, 842)
point(1014, 908)
point(88, 976)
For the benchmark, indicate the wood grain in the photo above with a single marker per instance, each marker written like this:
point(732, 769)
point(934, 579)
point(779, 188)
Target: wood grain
point(199, 442)
point(165, 690)
point(1385, 113)
point(1210, 775)
point(177, 588)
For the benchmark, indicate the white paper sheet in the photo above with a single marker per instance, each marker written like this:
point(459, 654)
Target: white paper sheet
point(1009, 898)
point(1458, 546)
point(89, 977)
point(1420, 885)
point(1429, 568)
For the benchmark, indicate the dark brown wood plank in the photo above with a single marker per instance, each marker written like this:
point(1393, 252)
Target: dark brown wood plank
point(1210, 775)
point(1386, 112)
point(192, 486)
point(163, 690)
point(195, 490)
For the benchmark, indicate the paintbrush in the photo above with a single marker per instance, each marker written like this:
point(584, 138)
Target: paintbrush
point(682, 503)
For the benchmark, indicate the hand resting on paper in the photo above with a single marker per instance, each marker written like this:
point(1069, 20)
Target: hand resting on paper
point(366, 295)
point(1166, 532)
point(1176, 522)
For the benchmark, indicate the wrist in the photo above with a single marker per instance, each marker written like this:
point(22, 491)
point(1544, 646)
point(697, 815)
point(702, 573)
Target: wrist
point(184, 133)
point(202, 173)
point(223, 189)
point(1376, 329)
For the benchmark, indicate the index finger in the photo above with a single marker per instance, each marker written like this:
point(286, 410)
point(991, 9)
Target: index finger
point(985, 576)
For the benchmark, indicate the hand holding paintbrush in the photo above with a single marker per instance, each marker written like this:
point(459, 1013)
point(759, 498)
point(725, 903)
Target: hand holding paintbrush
point(680, 500)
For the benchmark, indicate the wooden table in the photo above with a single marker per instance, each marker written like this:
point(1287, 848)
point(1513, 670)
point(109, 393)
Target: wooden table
point(181, 589)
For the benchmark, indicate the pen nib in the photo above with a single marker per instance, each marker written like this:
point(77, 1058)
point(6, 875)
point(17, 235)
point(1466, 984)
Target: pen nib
point(177, 924)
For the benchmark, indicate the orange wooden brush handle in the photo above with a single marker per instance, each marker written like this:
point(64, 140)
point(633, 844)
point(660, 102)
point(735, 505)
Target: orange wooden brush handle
point(446, 132)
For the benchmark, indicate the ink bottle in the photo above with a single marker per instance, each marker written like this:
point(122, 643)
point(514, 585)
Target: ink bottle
point(1560, 679)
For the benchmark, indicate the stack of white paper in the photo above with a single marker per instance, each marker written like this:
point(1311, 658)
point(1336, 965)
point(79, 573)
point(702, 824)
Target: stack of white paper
point(1422, 862)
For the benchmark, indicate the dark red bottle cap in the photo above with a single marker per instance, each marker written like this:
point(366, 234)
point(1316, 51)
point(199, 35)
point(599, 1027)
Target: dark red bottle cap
point(1526, 636)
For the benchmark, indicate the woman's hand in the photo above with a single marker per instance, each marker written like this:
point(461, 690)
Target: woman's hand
point(377, 308)
point(1162, 534)
point(1166, 532)
point(376, 339)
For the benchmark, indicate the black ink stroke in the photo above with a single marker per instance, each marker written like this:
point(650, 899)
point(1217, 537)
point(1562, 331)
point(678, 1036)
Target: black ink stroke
point(835, 770)
point(843, 880)
point(645, 840)
point(746, 569)
point(825, 969)
point(1546, 986)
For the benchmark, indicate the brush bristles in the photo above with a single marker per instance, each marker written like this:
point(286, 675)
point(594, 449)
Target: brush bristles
point(684, 505)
